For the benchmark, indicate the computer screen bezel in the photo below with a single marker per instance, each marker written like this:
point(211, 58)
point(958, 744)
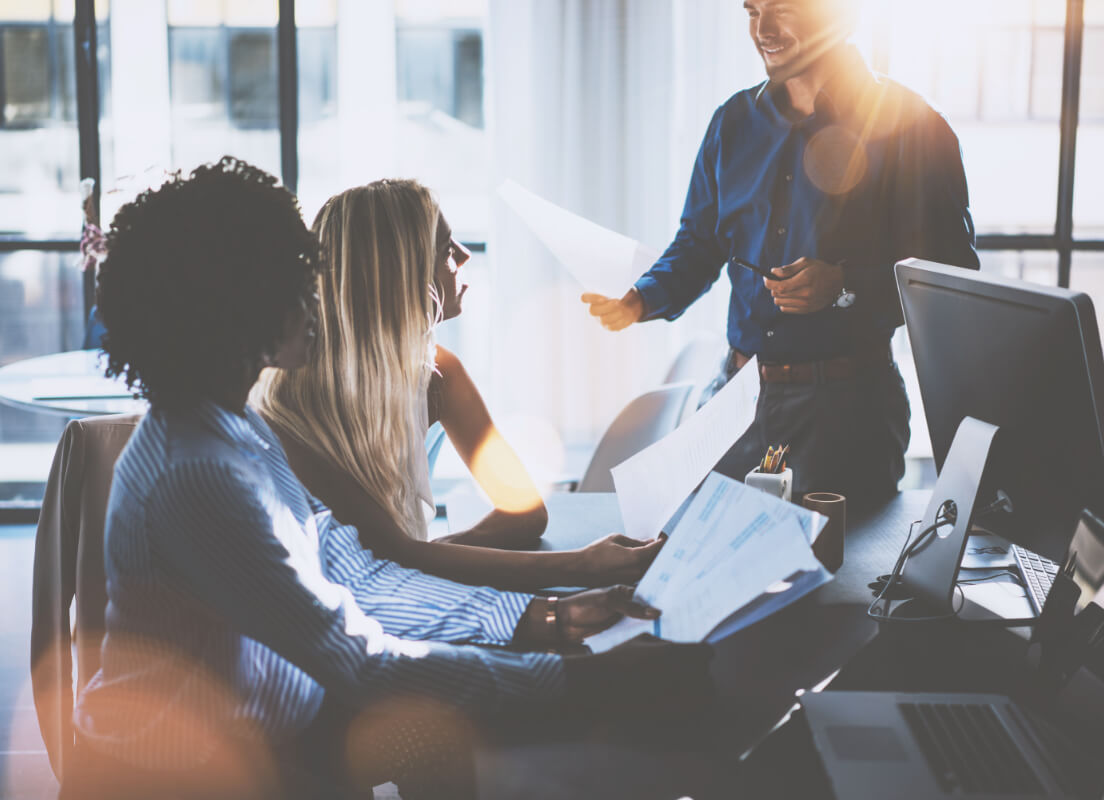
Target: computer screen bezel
point(917, 279)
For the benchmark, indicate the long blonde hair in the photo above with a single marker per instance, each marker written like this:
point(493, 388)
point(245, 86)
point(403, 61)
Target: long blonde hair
point(356, 402)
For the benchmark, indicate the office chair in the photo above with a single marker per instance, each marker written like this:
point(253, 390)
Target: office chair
point(699, 361)
point(435, 437)
point(68, 563)
point(645, 420)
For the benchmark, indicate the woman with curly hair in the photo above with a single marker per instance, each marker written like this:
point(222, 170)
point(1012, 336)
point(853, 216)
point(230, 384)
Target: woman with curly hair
point(354, 420)
point(237, 660)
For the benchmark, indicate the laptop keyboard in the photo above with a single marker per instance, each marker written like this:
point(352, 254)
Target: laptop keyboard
point(1038, 575)
point(968, 749)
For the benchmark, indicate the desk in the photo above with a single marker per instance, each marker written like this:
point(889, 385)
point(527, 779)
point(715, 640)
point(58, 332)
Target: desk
point(756, 671)
point(70, 384)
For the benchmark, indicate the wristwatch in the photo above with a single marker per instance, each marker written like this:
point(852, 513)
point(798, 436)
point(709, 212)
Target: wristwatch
point(845, 300)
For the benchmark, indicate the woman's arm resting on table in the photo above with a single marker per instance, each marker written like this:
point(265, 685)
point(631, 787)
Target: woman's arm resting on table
point(520, 516)
point(614, 559)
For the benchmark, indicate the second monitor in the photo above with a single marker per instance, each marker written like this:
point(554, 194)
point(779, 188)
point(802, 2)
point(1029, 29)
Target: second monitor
point(1028, 360)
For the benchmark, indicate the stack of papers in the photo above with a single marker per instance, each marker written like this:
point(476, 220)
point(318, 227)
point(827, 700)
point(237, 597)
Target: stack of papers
point(736, 556)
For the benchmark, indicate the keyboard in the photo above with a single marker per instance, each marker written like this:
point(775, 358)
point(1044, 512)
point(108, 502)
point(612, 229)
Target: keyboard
point(1038, 575)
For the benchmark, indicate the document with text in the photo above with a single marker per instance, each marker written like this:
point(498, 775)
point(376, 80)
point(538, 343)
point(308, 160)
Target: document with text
point(653, 484)
point(736, 556)
point(601, 260)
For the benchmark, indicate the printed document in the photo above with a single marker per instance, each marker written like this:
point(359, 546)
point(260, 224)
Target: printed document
point(601, 260)
point(737, 555)
point(653, 484)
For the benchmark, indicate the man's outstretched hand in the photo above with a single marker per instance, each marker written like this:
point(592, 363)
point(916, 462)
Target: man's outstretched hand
point(614, 314)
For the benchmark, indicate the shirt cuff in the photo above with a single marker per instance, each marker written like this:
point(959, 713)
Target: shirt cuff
point(654, 297)
point(501, 613)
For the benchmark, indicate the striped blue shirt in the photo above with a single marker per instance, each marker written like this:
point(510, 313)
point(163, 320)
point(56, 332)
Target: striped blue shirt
point(235, 600)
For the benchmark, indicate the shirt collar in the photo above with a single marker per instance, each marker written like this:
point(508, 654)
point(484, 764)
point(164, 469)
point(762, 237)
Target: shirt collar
point(237, 430)
point(841, 96)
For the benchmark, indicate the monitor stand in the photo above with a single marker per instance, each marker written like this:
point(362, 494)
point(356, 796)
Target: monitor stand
point(931, 572)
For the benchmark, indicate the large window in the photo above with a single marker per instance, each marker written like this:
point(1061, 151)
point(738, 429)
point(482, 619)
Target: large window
point(38, 116)
point(997, 75)
point(223, 82)
point(394, 89)
point(385, 88)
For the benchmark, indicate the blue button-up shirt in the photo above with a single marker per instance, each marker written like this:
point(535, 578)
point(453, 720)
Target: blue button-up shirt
point(873, 176)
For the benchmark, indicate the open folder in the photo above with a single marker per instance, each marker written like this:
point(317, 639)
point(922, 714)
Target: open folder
point(735, 556)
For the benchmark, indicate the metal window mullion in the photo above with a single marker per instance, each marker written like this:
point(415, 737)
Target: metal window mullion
point(1032, 55)
point(225, 65)
point(288, 83)
point(1071, 99)
point(88, 113)
point(3, 80)
point(14, 245)
point(1026, 241)
point(54, 109)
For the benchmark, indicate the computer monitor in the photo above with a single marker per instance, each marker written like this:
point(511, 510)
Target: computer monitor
point(1027, 359)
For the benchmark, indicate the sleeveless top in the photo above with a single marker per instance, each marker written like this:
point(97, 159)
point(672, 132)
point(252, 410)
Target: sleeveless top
point(420, 464)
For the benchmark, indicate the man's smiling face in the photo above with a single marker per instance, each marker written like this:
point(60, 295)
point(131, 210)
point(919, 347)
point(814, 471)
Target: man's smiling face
point(791, 34)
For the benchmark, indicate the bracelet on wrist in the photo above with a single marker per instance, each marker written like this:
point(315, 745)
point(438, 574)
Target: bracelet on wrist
point(552, 618)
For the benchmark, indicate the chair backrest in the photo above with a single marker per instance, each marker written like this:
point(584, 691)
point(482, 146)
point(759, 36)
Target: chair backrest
point(68, 563)
point(435, 437)
point(699, 361)
point(645, 420)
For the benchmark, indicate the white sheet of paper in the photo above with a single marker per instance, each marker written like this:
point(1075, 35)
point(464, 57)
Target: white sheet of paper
point(732, 544)
point(1005, 598)
point(653, 484)
point(601, 260)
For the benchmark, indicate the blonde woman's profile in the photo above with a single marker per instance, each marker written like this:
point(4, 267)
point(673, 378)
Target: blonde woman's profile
point(353, 421)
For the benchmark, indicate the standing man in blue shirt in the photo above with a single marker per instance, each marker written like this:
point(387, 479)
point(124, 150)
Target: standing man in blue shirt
point(827, 174)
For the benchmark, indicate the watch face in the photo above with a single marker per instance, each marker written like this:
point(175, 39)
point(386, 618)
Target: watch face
point(845, 299)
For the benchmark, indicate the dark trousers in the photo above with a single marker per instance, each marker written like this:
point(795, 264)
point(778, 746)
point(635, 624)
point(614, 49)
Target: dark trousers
point(846, 436)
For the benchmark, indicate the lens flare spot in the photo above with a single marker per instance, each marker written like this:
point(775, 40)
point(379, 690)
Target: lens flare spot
point(835, 160)
point(498, 470)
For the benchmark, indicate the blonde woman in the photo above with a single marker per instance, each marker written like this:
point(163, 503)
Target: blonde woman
point(353, 422)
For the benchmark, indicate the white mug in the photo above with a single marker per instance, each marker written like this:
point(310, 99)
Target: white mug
point(780, 484)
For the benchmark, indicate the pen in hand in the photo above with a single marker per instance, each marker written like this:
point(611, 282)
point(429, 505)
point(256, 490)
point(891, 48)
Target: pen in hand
point(766, 273)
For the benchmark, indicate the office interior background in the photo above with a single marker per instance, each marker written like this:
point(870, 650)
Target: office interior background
point(597, 105)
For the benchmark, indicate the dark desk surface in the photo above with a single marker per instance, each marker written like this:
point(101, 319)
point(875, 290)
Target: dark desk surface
point(757, 673)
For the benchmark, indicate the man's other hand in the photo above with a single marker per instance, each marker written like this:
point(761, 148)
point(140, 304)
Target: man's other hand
point(587, 613)
point(614, 314)
point(578, 616)
point(805, 286)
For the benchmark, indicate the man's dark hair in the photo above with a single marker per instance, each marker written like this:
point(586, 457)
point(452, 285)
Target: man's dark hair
point(200, 278)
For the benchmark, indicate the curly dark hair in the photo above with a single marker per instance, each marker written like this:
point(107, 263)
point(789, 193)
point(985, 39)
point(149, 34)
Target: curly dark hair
point(200, 278)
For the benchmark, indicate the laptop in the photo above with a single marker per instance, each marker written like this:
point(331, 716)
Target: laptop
point(905, 745)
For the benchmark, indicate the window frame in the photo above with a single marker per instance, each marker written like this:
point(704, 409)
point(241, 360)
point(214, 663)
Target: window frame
point(84, 31)
point(84, 28)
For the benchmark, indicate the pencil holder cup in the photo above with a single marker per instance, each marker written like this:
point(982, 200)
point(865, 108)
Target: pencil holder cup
point(780, 484)
point(828, 546)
